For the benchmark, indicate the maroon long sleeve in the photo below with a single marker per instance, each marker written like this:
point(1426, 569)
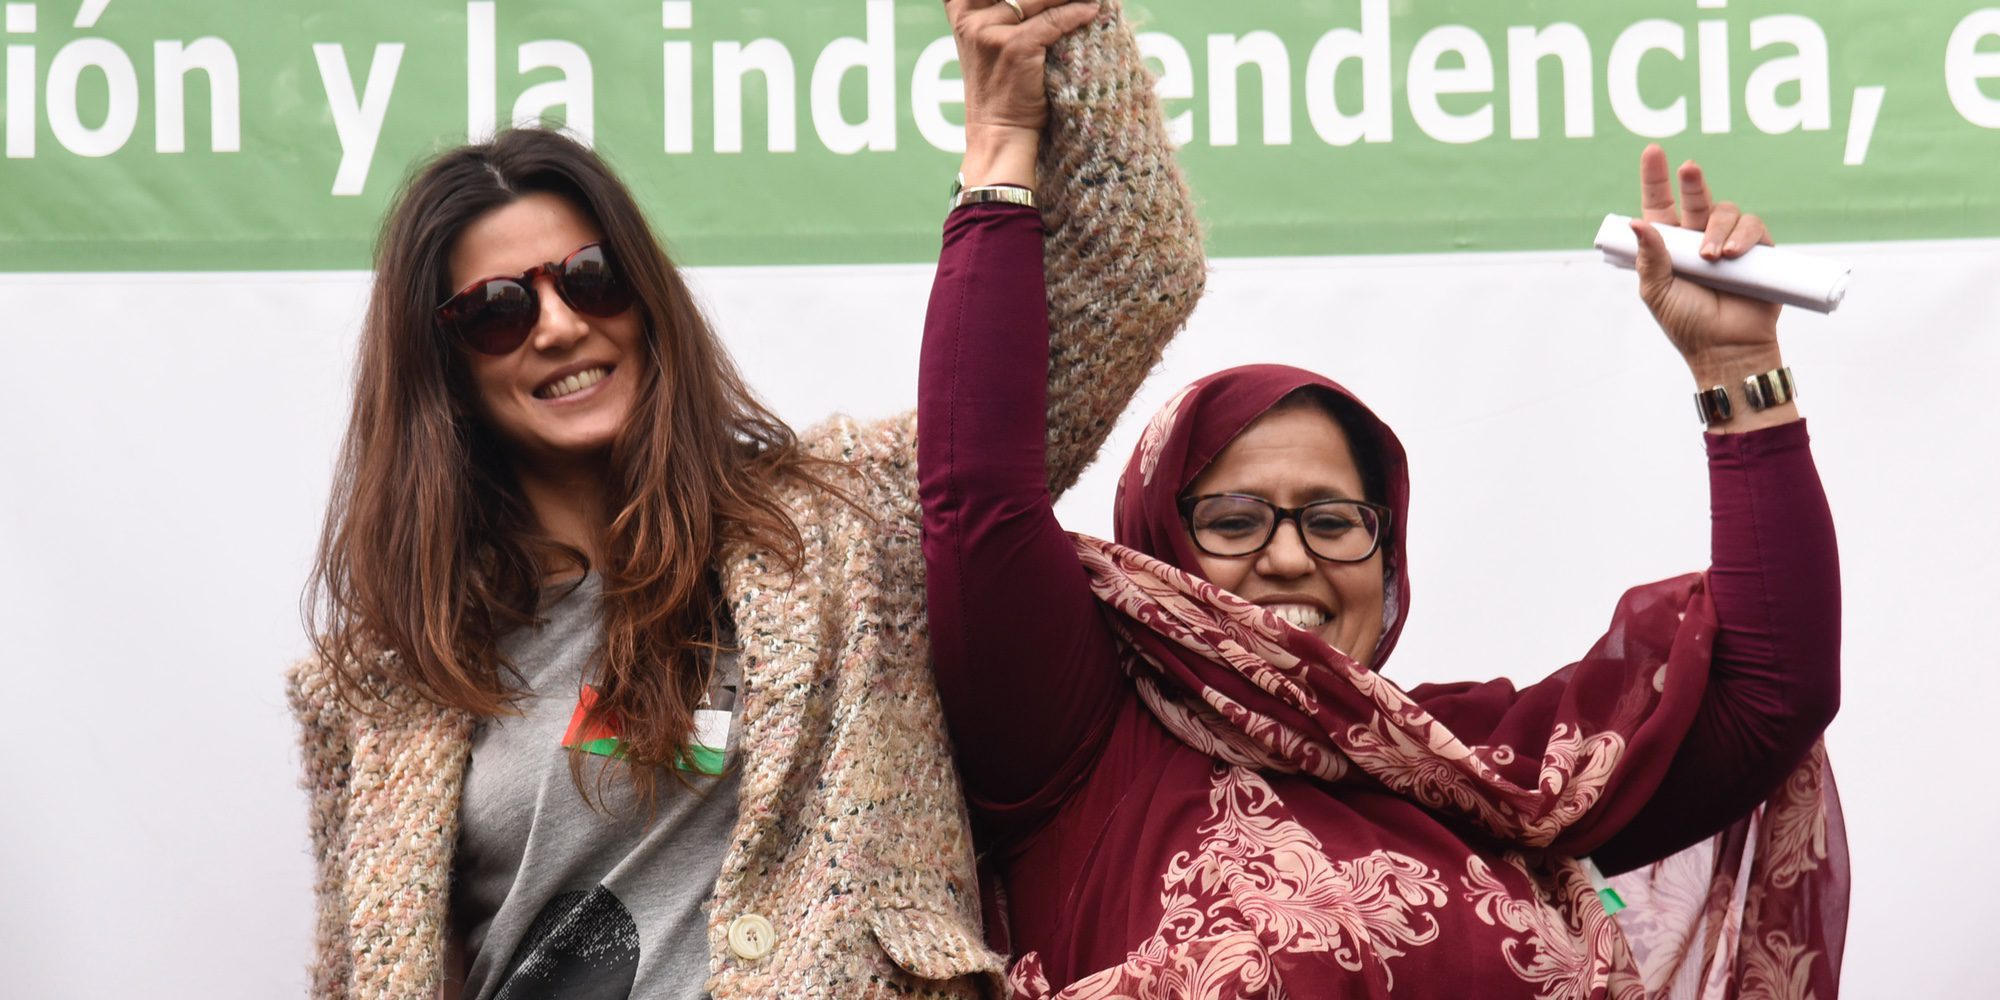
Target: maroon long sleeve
point(1774, 681)
point(1028, 670)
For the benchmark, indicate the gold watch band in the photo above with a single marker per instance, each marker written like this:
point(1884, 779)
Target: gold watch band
point(1007, 194)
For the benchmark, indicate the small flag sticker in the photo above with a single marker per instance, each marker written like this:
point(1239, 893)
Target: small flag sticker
point(707, 752)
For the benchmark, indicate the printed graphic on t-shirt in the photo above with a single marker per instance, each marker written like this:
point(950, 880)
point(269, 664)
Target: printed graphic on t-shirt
point(707, 750)
point(582, 946)
point(595, 736)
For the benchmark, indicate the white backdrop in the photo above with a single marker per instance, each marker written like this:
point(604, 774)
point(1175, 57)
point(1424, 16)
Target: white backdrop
point(165, 448)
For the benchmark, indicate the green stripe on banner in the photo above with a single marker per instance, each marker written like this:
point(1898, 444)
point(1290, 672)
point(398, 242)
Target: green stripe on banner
point(270, 136)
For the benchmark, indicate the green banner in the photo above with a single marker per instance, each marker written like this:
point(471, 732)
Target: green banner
point(246, 136)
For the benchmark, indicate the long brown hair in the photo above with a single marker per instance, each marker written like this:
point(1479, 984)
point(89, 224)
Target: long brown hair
point(430, 552)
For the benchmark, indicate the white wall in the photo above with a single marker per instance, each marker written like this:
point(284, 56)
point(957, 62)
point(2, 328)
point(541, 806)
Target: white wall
point(165, 443)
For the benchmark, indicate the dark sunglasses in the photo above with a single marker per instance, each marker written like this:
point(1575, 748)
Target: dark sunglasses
point(494, 315)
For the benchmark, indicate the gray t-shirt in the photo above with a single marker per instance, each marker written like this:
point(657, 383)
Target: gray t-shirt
point(555, 899)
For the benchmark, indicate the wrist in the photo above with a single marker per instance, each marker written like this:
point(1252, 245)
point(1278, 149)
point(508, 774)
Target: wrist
point(1000, 154)
point(1731, 367)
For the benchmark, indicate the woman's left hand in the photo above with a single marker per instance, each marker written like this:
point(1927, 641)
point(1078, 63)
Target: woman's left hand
point(1723, 337)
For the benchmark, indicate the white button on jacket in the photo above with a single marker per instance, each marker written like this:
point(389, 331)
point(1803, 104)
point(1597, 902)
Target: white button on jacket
point(751, 937)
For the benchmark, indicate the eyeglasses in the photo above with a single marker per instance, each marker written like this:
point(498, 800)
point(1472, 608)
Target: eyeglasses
point(1236, 524)
point(494, 315)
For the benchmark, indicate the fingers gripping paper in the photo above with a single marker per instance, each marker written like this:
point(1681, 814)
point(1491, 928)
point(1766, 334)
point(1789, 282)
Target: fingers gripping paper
point(1768, 273)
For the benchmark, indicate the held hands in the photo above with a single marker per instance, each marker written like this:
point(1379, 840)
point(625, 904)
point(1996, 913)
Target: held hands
point(1002, 46)
point(1722, 337)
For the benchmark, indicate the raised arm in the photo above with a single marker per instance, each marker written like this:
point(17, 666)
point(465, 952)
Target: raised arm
point(1123, 255)
point(1026, 667)
point(1774, 680)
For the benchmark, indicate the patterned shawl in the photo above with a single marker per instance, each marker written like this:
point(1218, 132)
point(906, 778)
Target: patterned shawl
point(1550, 772)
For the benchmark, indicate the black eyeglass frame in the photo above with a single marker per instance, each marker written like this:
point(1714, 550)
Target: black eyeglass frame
point(1384, 517)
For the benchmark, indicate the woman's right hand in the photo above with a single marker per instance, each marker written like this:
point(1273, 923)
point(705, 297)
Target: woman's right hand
point(1001, 55)
point(1723, 337)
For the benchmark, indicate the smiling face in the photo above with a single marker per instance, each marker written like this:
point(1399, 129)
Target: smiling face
point(1292, 456)
point(564, 394)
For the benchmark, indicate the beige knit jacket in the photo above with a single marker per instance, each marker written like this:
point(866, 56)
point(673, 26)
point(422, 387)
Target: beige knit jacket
point(851, 837)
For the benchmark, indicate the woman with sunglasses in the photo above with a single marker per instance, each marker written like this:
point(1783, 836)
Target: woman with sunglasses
point(1184, 762)
point(622, 687)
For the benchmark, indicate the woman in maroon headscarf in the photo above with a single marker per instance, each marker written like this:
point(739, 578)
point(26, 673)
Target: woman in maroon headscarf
point(1195, 782)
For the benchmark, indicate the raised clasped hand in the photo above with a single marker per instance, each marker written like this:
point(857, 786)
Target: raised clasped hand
point(1002, 46)
point(1719, 334)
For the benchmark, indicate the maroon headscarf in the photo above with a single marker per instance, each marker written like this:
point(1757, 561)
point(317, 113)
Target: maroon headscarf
point(1209, 414)
point(1553, 770)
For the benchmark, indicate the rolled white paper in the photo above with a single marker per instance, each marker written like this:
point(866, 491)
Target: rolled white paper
point(1768, 273)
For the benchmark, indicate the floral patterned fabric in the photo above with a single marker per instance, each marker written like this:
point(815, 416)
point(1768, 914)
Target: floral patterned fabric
point(1461, 810)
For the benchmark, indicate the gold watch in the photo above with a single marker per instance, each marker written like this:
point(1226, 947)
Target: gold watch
point(1010, 194)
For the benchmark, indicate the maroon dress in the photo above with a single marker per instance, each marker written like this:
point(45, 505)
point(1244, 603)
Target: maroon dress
point(1140, 860)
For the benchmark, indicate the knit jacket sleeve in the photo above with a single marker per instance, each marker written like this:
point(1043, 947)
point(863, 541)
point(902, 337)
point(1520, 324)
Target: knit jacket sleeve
point(324, 753)
point(1123, 256)
point(383, 786)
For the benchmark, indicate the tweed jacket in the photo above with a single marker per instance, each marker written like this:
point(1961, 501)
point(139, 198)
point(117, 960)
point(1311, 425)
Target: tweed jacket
point(851, 837)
